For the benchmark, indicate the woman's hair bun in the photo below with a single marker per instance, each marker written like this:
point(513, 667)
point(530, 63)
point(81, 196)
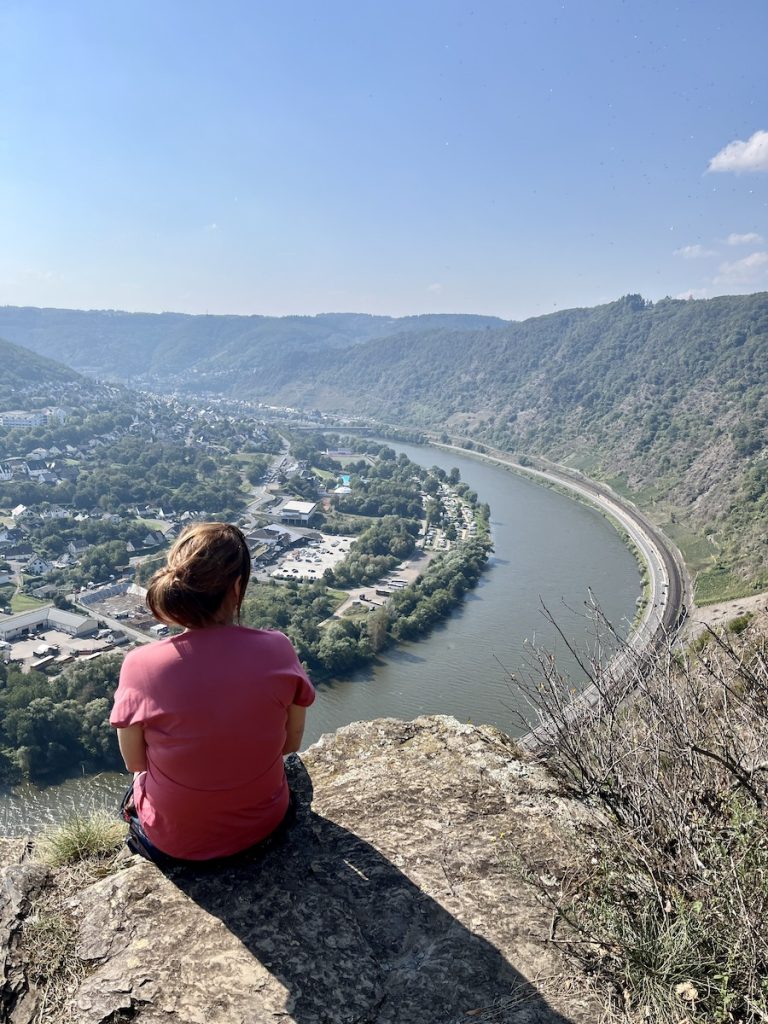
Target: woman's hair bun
point(202, 568)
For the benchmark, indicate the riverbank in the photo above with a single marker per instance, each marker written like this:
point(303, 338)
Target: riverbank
point(668, 584)
point(547, 550)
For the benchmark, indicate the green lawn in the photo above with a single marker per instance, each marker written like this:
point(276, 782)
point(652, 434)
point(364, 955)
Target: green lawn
point(718, 584)
point(586, 462)
point(338, 596)
point(153, 524)
point(358, 613)
point(24, 603)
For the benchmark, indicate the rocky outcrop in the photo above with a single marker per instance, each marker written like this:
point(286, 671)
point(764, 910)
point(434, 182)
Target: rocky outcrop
point(397, 896)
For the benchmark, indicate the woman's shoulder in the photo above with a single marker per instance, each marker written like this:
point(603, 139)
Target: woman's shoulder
point(147, 652)
point(261, 637)
point(266, 643)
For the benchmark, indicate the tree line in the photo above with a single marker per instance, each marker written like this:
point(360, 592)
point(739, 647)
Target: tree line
point(52, 724)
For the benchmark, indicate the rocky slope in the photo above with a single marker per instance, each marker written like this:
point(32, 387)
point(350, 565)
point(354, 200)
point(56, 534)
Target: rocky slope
point(397, 897)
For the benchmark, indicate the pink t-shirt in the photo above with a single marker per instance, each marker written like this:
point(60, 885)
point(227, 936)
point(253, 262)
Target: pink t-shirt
point(214, 706)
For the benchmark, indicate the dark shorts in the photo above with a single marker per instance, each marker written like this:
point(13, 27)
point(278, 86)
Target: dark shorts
point(138, 841)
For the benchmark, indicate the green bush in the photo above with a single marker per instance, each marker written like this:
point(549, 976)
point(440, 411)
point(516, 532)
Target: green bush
point(739, 624)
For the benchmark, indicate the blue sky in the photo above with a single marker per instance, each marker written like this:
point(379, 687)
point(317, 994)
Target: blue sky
point(493, 157)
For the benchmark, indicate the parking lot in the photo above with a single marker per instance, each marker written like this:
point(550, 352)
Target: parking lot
point(311, 561)
point(24, 650)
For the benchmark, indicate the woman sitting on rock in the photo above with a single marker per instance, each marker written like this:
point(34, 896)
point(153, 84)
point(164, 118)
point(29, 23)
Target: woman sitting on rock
point(204, 718)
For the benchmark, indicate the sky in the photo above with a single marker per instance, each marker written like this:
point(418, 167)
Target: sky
point(507, 157)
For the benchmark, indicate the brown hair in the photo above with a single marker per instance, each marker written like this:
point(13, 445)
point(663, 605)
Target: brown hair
point(203, 565)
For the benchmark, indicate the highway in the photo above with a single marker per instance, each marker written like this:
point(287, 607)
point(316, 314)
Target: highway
point(669, 588)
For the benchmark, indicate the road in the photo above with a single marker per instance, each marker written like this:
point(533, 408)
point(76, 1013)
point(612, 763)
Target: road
point(261, 496)
point(669, 588)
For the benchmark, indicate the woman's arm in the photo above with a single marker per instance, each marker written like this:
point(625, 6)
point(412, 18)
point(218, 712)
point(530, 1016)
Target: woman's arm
point(294, 729)
point(133, 748)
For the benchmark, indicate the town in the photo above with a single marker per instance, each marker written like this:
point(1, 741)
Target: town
point(353, 547)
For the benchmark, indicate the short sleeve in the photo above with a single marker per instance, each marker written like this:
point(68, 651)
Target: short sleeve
point(130, 706)
point(305, 691)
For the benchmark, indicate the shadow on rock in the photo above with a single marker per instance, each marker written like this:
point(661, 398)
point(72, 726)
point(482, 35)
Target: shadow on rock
point(347, 937)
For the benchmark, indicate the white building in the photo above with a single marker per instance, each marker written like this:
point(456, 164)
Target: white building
point(18, 418)
point(39, 566)
point(298, 512)
point(48, 617)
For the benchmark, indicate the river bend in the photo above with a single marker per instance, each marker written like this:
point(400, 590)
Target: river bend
point(548, 549)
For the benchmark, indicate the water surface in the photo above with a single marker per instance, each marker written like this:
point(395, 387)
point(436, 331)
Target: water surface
point(548, 549)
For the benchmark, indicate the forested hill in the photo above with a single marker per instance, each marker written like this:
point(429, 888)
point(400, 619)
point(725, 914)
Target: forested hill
point(669, 401)
point(24, 374)
point(203, 352)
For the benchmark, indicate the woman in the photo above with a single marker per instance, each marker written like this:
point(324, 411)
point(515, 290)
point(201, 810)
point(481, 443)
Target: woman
point(205, 717)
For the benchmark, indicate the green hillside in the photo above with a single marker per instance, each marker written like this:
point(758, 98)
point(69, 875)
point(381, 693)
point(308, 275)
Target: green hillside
point(667, 401)
point(200, 352)
point(26, 378)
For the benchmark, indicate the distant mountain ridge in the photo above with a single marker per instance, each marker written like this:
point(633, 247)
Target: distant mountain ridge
point(139, 347)
point(668, 401)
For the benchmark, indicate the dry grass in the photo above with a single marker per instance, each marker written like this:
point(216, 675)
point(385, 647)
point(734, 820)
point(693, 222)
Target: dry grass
point(81, 850)
point(669, 903)
point(49, 949)
point(95, 836)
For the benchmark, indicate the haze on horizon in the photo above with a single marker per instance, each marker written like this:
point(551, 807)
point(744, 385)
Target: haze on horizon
point(438, 157)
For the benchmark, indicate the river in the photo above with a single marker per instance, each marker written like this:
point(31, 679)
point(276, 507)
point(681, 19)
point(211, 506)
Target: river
point(548, 549)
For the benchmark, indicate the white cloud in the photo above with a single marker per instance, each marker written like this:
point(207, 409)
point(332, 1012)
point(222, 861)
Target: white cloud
point(435, 288)
point(739, 156)
point(694, 252)
point(750, 238)
point(750, 270)
point(693, 293)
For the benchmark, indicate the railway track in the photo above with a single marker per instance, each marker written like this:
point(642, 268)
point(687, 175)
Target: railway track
point(667, 604)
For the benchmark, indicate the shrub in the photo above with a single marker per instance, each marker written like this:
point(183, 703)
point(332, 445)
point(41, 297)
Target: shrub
point(669, 897)
point(739, 624)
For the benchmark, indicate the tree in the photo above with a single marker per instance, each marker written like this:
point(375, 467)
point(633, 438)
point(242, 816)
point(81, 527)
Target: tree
point(377, 629)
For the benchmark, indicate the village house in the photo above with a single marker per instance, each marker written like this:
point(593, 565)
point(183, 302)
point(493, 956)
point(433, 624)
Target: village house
point(9, 535)
point(38, 566)
point(55, 512)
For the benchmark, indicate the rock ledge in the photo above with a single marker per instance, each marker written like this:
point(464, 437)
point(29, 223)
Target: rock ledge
point(395, 898)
